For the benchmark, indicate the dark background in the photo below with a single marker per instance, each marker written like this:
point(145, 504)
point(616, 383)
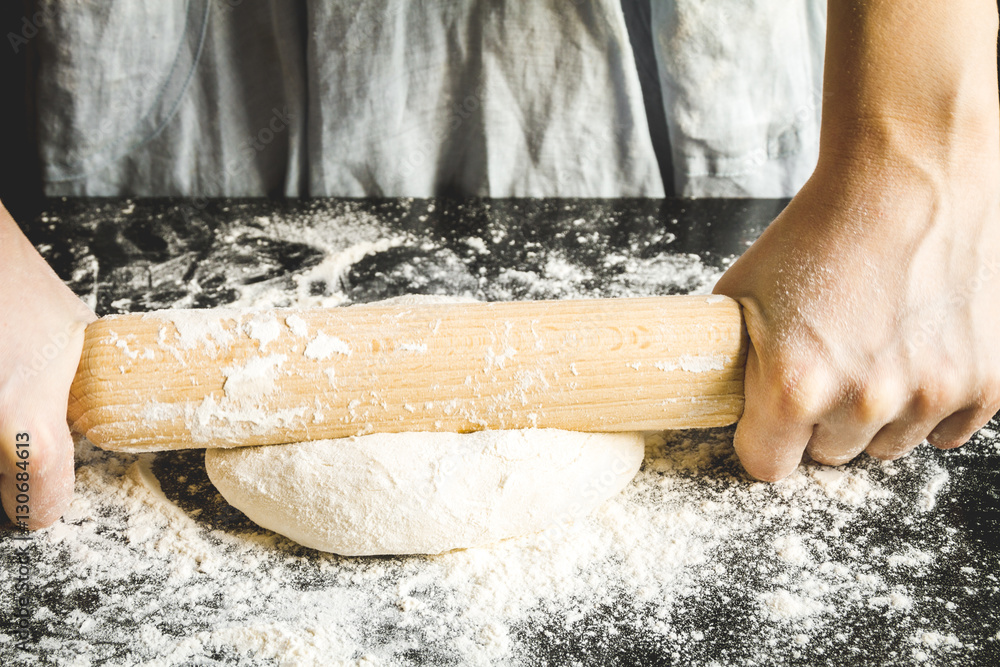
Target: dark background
point(20, 177)
point(153, 254)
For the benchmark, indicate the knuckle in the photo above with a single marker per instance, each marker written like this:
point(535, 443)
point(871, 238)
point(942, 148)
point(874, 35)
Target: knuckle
point(767, 473)
point(934, 398)
point(886, 454)
point(830, 448)
point(766, 465)
point(893, 442)
point(829, 458)
point(800, 391)
point(890, 451)
point(876, 403)
point(989, 398)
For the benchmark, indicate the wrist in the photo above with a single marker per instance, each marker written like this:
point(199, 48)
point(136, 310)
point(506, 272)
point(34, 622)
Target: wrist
point(911, 85)
point(17, 249)
point(894, 177)
point(953, 149)
point(956, 142)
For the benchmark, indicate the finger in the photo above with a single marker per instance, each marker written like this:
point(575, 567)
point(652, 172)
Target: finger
point(958, 428)
point(40, 489)
point(840, 438)
point(836, 444)
point(899, 438)
point(770, 438)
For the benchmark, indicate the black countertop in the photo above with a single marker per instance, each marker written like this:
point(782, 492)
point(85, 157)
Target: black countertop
point(941, 561)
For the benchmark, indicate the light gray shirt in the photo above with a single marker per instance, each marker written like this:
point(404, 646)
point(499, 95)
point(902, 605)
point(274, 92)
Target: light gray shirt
point(428, 98)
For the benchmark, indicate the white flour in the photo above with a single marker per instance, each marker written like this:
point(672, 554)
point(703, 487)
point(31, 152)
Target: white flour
point(323, 347)
point(264, 328)
point(194, 331)
point(297, 325)
point(192, 579)
point(692, 564)
point(695, 363)
point(253, 380)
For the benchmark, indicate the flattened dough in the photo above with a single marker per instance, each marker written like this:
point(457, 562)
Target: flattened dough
point(424, 493)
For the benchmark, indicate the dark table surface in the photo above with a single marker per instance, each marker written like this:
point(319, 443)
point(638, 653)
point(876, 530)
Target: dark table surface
point(124, 256)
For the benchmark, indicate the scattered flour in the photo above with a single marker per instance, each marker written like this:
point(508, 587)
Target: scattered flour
point(657, 566)
point(854, 488)
point(323, 347)
point(934, 642)
point(297, 325)
point(477, 244)
point(928, 495)
point(254, 380)
point(935, 639)
point(787, 605)
point(896, 600)
point(263, 328)
point(791, 549)
point(909, 558)
point(693, 563)
point(329, 272)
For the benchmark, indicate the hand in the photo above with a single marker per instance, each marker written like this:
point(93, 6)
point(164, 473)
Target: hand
point(873, 301)
point(873, 307)
point(41, 338)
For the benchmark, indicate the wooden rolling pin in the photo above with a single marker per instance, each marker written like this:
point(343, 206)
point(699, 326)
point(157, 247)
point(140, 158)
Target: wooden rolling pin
point(221, 378)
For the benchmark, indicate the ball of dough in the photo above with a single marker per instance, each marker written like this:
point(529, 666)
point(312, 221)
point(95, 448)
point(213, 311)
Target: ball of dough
point(424, 493)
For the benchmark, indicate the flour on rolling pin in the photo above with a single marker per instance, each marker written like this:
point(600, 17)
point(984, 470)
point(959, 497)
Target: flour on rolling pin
point(247, 383)
point(194, 330)
point(323, 347)
point(222, 415)
point(694, 363)
point(234, 378)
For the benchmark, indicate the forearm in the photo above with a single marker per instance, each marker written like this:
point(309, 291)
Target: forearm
point(872, 302)
point(50, 323)
point(12, 240)
point(910, 80)
point(18, 254)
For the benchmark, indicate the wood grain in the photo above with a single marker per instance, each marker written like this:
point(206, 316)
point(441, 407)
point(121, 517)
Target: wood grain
point(181, 379)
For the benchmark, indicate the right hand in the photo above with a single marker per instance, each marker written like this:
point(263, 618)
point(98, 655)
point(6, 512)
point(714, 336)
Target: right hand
point(872, 305)
point(41, 339)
